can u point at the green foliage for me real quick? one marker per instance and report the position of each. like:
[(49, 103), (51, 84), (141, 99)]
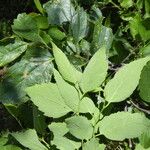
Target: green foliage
[(10, 52), (25, 138), (116, 89), (95, 72), (48, 99), (75, 75), (144, 84), (125, 125)]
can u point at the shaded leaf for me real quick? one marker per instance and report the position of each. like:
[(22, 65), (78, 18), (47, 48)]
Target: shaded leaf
[(102, 36), (35, 68), (79, 25), (59, 11), (144, 83), (145, 138), (26, 27), (11, 52), (56, 34), (39, 121)]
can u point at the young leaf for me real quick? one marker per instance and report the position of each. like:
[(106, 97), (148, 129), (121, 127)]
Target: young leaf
[(68, 92), (80, 127), (92, 144), (39, 6), (11, 52), (125, 81), (48, 99), (122, 125), (79, 25), (29, 139), (95, 72), (144, 83), (67, 70)]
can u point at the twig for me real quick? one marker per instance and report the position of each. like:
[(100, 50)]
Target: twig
[(139, 108)]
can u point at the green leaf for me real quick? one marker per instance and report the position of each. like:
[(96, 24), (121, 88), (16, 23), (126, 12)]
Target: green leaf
[(87, 106), (48, 99), (26, 27), (68, 92), (145, 51), (144, 83), (79, 25), (80, 127), (122, 125), (125, 81), (139, 26), (58, 129), (63, 143), (41, 21), (26, 73), (95, 72), (147, 9), (39, 6), (92, 144), (126, 3), (10, 147), (67, 70), (25, 138), (145, 138), (11, 52), (102, 36), (140, 147), (3, 141), (134, 25), (56, 34), (59, 11), (39, 121)]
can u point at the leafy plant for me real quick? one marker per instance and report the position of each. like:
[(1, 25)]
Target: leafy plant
[(75, 75)]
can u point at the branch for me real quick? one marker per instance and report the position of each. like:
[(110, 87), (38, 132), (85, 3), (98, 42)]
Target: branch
[(141, 109)]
